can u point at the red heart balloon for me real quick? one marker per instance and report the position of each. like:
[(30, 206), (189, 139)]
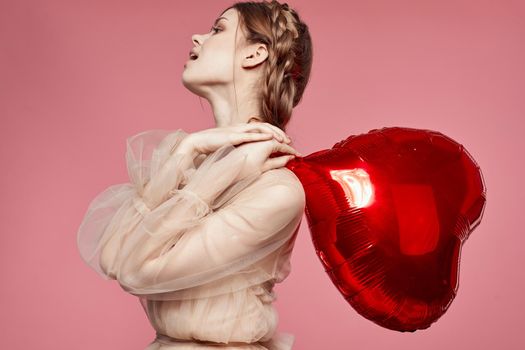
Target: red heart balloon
[(388, 213)]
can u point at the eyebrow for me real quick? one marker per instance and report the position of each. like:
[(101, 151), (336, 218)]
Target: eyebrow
[(218, 19)]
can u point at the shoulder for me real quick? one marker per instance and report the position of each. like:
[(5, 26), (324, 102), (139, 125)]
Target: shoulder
[(274, 202), (286, 177), (284, 187)]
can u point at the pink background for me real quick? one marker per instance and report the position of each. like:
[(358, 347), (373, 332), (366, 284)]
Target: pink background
[(78, 77)]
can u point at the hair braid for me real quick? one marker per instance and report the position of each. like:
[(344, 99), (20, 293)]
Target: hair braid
[(289, 61), (279, 90)]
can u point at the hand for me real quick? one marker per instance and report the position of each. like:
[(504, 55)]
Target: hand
[(209, 140), (258, 156), (257, 160)]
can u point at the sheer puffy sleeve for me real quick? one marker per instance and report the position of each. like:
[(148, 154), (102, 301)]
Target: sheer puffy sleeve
[(158, 236)]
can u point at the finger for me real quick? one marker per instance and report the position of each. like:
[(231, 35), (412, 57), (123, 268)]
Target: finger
[(276, 162), (256, 127), (285, 137), (266, 128), (249, 137), (248, 127), (279, 134), (284, 148)]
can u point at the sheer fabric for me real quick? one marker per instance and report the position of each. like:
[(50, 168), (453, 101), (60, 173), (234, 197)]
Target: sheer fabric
[(200, 245)]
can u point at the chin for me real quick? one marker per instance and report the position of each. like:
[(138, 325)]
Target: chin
[(192, 86), (187, 83)]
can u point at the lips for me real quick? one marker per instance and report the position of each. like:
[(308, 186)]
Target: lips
[(193, 55)]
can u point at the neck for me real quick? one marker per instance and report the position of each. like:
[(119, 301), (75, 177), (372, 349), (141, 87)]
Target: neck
[(228, 111)]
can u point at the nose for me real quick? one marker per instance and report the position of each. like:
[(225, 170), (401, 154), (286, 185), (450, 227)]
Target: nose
[(197, 39)]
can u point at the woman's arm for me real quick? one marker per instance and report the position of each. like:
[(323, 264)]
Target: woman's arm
[(116, 211), (142, 232), (168, 256), (156, 191)]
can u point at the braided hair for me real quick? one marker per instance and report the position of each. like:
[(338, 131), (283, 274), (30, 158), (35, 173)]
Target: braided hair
[(287, 69)]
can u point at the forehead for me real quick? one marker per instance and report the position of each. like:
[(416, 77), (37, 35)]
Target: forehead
[(230, 14), (231, 20)]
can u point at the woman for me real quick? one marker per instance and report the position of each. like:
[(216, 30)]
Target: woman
[(207, 224)]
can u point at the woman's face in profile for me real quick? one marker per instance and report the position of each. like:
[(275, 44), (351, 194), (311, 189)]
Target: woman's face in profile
[(215, 51)]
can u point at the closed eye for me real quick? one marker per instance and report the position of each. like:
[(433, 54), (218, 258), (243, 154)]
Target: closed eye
[(215, 29)]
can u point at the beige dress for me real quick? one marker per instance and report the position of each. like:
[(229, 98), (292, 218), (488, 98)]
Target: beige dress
[(204, 273)]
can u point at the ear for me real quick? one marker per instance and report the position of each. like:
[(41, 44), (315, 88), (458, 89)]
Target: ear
[(254, 55)]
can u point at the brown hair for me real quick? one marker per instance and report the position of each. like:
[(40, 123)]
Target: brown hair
[(287, 69)]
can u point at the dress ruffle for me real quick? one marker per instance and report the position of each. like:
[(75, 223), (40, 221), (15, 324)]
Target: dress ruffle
[(180, 230), (280, 341)]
